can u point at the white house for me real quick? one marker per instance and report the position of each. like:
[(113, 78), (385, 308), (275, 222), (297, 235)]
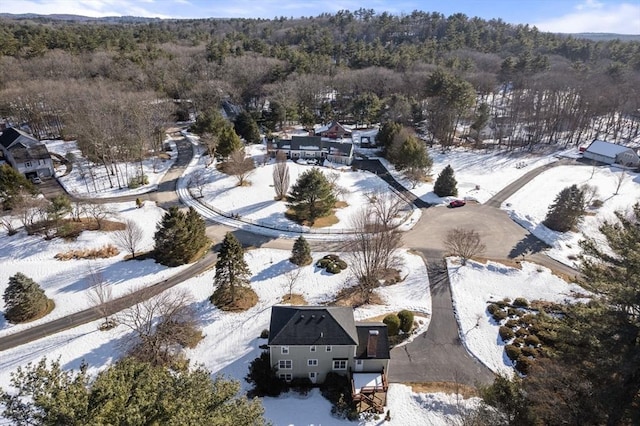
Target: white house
[(313, 148), (611, 153), (25, 153)]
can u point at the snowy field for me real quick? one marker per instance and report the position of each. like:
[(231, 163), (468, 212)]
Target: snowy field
[(475, 285), (529, 206), (68, 282)]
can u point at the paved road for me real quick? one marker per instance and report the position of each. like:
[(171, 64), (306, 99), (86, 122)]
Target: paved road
[(438, 355)]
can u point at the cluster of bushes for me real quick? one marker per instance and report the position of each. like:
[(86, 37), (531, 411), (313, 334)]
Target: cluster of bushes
[(337, 390), (402, 321), (138, 181), (332, 264), (103, 252), (524, 332)]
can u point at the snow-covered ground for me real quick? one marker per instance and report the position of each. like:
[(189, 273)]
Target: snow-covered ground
[(91, 180), (68, 282), (529, 206), (475, 285)]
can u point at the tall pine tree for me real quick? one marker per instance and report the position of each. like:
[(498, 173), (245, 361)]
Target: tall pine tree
[(446, 184), (24, 299), (301, 253), (232, 272), (311, 196), (567, 210), (179, 237)]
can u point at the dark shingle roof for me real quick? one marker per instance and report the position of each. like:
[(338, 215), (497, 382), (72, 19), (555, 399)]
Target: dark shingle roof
[(312, 325), (10, 135), (372, 345)]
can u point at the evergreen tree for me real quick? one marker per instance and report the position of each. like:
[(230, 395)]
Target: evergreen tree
[(301, 252), (567, 210), (179, 237), (246, 126), (13, 186), (129, 392), (386, 135), (24, 299), (446, 184), (228, 141), (311, 196), (232, 271)]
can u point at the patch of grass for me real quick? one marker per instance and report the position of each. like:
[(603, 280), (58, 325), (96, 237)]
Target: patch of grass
[(245, 298), (294, 299), (340, 204)]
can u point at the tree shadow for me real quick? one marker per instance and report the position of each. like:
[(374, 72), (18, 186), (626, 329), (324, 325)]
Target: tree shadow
[(111, 350), (528, 245)]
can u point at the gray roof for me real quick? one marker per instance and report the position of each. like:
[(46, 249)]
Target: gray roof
[(607, 149), (374, 345), (312, 325), (298, 142)]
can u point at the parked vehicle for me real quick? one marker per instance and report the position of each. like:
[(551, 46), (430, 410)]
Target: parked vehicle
[(457, 203), (36, 180)]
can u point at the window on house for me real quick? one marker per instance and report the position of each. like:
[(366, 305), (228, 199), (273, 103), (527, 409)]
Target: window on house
[(27, 163), (339, 364), (285, 364), (284, 350), (312, 362), (312, 349), (328, 349), (285, 376)]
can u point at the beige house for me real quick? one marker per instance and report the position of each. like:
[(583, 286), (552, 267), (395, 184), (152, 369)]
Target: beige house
[(312, 148), (312, 341)]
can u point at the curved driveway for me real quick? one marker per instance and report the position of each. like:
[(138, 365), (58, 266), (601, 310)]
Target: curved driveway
[(437, 354)]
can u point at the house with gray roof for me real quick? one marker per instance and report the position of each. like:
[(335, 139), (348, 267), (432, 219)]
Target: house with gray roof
[(25, 153), (611, 153), (308, 342), (313, 148)]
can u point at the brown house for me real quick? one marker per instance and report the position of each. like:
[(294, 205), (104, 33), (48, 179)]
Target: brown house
[(334, 130)]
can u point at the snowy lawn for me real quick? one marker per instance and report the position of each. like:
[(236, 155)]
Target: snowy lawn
[(92, 181), (530, 205), (67, 282), (475, 285)]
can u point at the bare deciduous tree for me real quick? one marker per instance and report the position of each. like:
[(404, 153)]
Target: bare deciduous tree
[(99, 213), (373, 248), (198, 180), (464, 243), (290, 280), (620, 179), (281, 176), (240, 166), (31, 211), (99, 296), (129, 238), (210, 142), (161, 326)]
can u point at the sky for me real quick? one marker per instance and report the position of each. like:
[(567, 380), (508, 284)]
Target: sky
[(567, 16)]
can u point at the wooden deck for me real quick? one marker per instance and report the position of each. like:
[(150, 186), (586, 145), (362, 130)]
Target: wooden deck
[(370, 398)]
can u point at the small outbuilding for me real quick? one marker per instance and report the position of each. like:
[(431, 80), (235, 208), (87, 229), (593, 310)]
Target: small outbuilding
[(611, 153)]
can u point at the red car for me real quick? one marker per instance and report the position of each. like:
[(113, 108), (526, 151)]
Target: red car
[(457, 203)]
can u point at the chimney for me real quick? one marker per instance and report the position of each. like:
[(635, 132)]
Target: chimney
[(372, 344)]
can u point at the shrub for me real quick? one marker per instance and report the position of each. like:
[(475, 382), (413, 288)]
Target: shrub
[(597, 203), (264, 334), (138, 181), (393, 324), (332, 263), (512, 351), (499, 316), (522, 332), (502, 303), (506, 333), (523, 365), (341, 264), (521, 302), (337, 389), (512, 323), (263, 377), (406, 320), (513, 312), (493, 308), (323, 263), (25, 300), (301, 385), (518, 341), (532, 340), (301, 252), (530, 352), (333, 268)]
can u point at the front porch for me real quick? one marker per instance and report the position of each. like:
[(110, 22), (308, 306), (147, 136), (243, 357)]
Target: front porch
[(369, 391)]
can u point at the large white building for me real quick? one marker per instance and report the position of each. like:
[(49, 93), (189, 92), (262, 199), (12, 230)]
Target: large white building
[(611, 153)]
